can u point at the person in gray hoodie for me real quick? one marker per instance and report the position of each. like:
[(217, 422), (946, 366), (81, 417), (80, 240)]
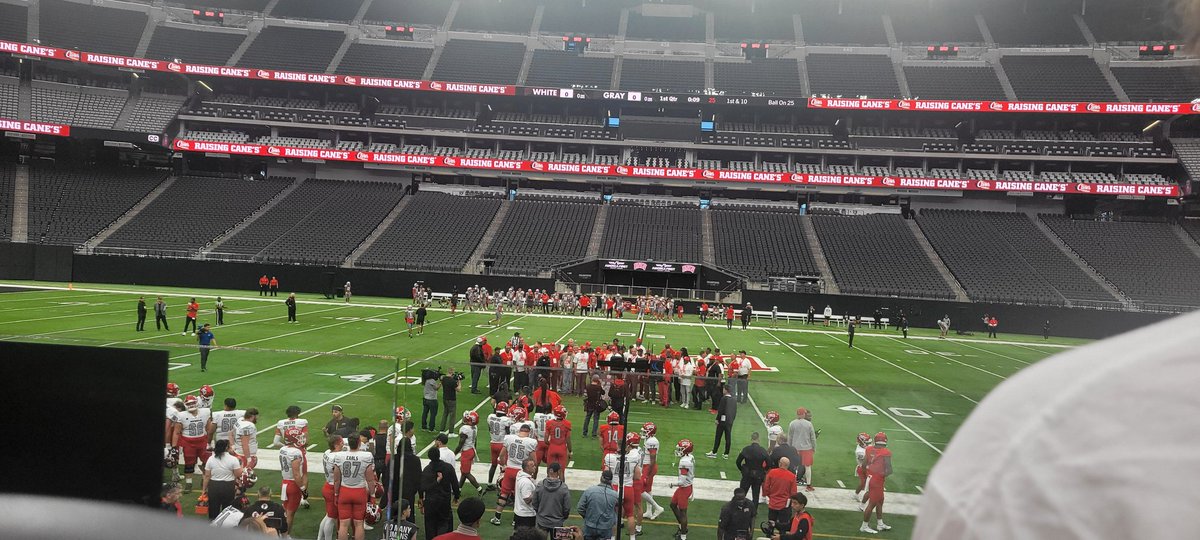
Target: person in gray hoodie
[(598, 507), (552, 500)]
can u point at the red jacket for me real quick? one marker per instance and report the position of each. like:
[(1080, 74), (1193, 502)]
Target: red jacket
[(779, 485)]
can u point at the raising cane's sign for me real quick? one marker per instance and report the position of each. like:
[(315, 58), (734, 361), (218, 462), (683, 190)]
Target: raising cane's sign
[(1056, 107), (838, 180), (25, 126)]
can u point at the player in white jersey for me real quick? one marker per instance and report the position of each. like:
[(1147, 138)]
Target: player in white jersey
[(650, 447), (629, 481), (467, 435), (222, 423), (517, 447), (172, 410), (244, 442), (539, 433), (353, 482), (773, 430), (498, 424), (860, 455), (294, 471), (206, 397), (192, 436), (683, 485), (397, 429), (329, 524)]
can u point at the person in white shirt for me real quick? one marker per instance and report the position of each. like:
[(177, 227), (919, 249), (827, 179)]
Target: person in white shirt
[(743, 377), (828, 313), (294, 471), (327, 530), (220, 472), (441, 443), (581, 370), (774, 316), (524, 515), (685, 371), (353, 483)]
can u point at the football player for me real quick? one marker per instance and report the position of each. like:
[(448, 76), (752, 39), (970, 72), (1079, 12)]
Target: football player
[(353, 480), (879, 467), (245, 439), (222, 423), (520, 417), (206, 397), (860, 455), (294, 471), (539, 432), (498, 423), (611, 435), (172, 401), (558, 438), (396, 430), (627, 481), (329, 524), (650, 447), (517, 447), (467, 435), (192, 436), (773, 430), (683, 486)]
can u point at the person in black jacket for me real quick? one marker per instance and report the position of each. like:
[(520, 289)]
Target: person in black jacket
[(783, 449), (752, 462), (478, 363), (291, 306), (737, 517), (747, 314), (439, 484), (801, 525), (141, 314), (406, 472), (726, 413)]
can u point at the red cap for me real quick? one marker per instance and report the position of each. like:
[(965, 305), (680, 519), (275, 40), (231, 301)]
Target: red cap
[(801, 411), (881, 437)]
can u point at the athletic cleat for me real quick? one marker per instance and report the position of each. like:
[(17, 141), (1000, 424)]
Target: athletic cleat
[(658, 511), (304, 504), (866, 529), (496, 521), (711, 455), (646, 515), (726, 456), (883, 526)]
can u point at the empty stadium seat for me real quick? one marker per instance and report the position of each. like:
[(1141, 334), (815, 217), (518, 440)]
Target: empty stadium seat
[(385, 61), (1015, 22), (493, 62), (193, 45), (676, 235), (652, 28), (424, 12), (153, 112), (9, 97), (538, 235), (662, 75), (1170, 84), (953, 82), (854, 22), (14, 22), (877, 254), (510, 17), (67, 206), (761, 244), (88, 27), (852, 75), (561, 69), (419, 240), (290, 48), (779, 76), (340, 10), (1056, 78), (591, 18)]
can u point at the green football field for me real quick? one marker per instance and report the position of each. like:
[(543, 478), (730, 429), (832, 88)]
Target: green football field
[(917, 390)]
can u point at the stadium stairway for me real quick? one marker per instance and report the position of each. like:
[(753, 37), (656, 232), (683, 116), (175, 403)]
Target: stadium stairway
[(708, 250), (485, 243), (352, 258), (1188, 151), (351, 37), (960, 294), (814, 247), (253, 28), (20, 211), (1070, 253), (1006, 84), (135, 92), (25, 98), (1112, 80), (1182, 234), (127, 216), (215, 244), (593, 249)]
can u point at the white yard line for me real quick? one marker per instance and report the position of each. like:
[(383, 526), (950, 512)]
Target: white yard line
[(66, 316), (977, 368), (906, 370), (996, 353), (86, 328), (881, 410), (12, 297), (757, 411)]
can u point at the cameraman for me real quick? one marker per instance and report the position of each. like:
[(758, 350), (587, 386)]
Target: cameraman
[(431, 381), (451, 386)]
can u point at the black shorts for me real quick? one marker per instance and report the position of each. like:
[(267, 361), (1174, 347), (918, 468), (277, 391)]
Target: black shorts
[(420, 320)]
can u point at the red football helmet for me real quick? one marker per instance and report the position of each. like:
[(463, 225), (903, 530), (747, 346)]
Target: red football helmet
[(172, 390), (772, 418), (863, 439), (614, 418), (633, 439), (191, 403), (881, 439), (471, 418), (206, 391), (502, 408), (247, 479), (518, 414), (560, 412), (380, 491), (684, 447), (649, 429), (293, 436), (170, 458), (373, 514), (402, 414)]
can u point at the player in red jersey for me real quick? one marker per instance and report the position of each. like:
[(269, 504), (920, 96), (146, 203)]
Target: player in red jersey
[(558, 438), (879, 467), (294, 472), (611, 435)]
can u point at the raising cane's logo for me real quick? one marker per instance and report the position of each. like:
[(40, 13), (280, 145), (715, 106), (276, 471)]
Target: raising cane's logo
[(639, 266), (362, 156), (889, 181), (689, 269), (996, 106), (622, 170), (816, 102), (983, 184), (172, 66), (183, 145), (274, 151), (351, 79), (905, 104), (451, 161), (1196, 107), (1092, 107), (796, 177), (264, 74), (709, 174), (435, 85), (536, 165), (1083, 188), (72, 55)]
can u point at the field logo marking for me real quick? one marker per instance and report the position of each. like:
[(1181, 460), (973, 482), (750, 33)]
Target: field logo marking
[(365, 377), (904, 412)]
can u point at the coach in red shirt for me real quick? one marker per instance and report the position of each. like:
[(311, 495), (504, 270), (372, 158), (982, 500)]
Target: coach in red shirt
[(778, 487)]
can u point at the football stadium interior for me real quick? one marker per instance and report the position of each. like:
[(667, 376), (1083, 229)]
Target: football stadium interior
[(826, 167)]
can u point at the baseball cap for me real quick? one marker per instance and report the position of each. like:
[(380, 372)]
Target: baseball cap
[(470, 510), (605, 477)]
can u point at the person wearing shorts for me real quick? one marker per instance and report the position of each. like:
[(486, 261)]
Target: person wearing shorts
[(354, 478), (328, 525)]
